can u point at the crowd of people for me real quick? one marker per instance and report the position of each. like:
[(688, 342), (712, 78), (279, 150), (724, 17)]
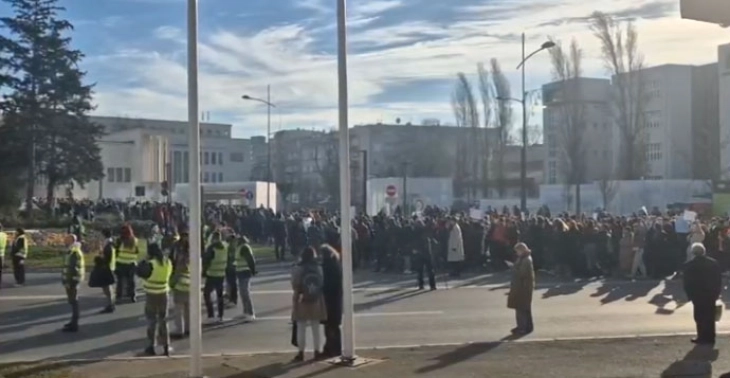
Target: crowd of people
[(656, 246)]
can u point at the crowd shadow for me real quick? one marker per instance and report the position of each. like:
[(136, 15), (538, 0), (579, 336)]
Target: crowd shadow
[(566, 288), (463, 354), (86, 332), (697, 363), (610, 292), (389, 299), (672, 293)]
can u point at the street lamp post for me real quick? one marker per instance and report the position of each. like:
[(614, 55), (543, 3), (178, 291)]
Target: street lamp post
[(523, 151), (269, 105)]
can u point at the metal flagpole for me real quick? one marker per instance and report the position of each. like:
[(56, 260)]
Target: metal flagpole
[(348, 325), (194, 227)]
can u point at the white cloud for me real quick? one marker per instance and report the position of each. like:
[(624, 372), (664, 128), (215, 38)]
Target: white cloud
[(370, 7), (303, 77)]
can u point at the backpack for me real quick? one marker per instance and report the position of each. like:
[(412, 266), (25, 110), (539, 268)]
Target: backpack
[(311, 283)]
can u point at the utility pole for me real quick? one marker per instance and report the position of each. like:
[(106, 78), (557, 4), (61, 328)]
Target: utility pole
[(405, 188), (268, 146), (365, 182), (523, 151)]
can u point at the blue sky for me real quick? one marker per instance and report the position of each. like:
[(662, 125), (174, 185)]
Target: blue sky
[(404, 54)]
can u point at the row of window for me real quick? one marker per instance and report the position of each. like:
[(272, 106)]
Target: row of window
[(653, 151), (119, 174), (211, 158), (211, 177)]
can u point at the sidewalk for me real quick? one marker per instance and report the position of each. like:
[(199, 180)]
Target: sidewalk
[(614, 358)]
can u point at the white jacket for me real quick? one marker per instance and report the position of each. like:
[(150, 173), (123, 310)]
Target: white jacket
[(456, 245)]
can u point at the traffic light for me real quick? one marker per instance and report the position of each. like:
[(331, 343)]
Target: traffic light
[(165, 190)]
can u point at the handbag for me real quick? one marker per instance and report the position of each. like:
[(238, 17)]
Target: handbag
[(294, 335)]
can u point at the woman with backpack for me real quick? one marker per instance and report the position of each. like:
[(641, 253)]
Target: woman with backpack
[(308, 308), (332, 290)]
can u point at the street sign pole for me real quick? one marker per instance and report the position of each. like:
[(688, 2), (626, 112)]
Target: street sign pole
[(348, 323), (194, 229)]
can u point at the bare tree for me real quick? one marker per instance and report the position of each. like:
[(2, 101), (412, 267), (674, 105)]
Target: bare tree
[(608, 187), (486, 94), (503, 117), (472, 139), (464, 107), (623, 60), (567, 71)]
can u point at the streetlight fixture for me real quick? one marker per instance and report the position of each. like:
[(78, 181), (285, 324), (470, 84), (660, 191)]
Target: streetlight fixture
[(523, 155), (269, 105)]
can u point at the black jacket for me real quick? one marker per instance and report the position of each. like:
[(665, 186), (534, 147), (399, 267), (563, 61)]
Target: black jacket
[(702, 279)]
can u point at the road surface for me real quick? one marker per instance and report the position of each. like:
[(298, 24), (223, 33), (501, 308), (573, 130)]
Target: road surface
[(389, 312)]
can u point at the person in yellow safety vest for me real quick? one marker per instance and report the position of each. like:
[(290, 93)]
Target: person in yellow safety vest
[(3, 247), (231, 287), (108, 260), (74, 270), (181, 287), (215, 262), (245, 263), (128, 255), (157, 288), (19, 254)]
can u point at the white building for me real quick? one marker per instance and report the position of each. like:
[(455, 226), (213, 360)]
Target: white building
[(595, 103), (723, 71), (668, 121), (222, 158)]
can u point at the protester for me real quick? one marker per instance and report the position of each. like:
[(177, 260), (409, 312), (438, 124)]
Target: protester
[(308, 305), (703, 286), (332, 291), (521, 288)]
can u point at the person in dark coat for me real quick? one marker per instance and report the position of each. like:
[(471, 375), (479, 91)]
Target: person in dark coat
[(703, 285), (332, 291), (423, 247)]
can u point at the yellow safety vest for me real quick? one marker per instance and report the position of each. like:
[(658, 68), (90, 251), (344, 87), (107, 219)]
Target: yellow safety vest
[(159, 281), (3, 243), (24, 251), (113, 262), (128, 255), (218, 266), (80, 266), (182, 284), (241, 262)]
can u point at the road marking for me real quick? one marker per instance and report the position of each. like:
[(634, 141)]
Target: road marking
[(365, 315)]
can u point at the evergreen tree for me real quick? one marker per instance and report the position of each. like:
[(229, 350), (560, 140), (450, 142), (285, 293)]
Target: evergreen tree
[(46, 100)]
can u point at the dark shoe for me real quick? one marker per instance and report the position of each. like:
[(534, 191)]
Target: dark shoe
[(71, 328), (150, 351), (703, 342), (167, 350), (420, 288), (107, 310), (319, 356), (433, 288), (187, 333), (133, 300), (177, 336), (299, 357)]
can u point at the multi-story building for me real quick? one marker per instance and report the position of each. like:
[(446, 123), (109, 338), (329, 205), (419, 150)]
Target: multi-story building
[(705, 122), (723, 72), (667, 130), (259, 158), (591, 98), (222, 157)]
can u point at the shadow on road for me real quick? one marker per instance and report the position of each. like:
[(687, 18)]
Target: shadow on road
[(697, 363), (389, 299), (86, 332), (462, 354), (613, 291), (565, 288)]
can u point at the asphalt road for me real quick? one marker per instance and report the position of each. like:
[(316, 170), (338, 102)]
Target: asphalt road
[(389, 312)]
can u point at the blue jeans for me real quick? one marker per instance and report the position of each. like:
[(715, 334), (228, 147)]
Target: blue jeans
[(244, 290)]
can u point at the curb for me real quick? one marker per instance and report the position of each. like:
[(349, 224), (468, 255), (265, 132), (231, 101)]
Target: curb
[(377, 348)]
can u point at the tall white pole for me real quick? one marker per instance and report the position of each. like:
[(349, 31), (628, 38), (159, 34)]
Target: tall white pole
[(194, 228), (268, 147), (348, 324)]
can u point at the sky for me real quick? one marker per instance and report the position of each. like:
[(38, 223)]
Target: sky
[(403, 54)]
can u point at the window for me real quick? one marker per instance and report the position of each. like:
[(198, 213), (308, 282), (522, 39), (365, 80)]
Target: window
[(206, 157), (213, 177), (220, 176), (653, 151), (186, 167), (110, 174), (220, 158), (552, 172), (205, 177), (177, 167), (213, 158), (119, 174), (236, 157), (127, 174)]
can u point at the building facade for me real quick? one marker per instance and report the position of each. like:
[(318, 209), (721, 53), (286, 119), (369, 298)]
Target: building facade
[(705, 122), (723, 72), (565, 102), (222, 158)]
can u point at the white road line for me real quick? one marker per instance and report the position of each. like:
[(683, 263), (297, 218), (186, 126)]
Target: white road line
[(363, 315)]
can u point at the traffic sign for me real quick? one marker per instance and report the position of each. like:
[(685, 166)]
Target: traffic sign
[(391, 190)]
